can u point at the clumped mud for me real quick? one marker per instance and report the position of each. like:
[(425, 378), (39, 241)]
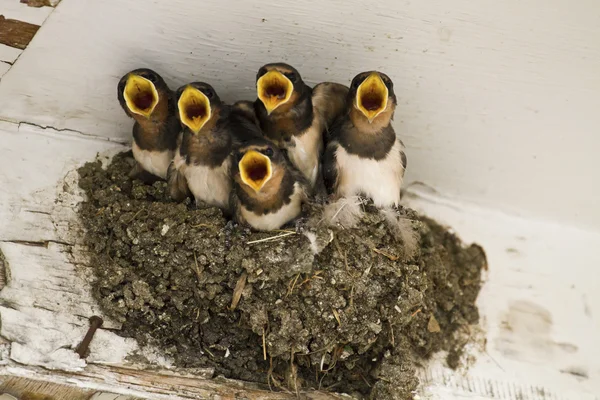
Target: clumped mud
[(359, 317)]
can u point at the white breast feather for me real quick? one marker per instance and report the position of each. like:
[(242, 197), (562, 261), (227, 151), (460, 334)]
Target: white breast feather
[(379, 180), (210, 185), (277, 219), (155, 162), (306, 149)]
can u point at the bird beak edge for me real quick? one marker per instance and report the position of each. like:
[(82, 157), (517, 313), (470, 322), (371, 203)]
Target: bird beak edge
[(274, 89), (194, 108), (140, 95), (372, 96), (255, 169)]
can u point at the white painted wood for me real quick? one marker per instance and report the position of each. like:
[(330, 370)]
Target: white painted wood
[(9, 54), (497, 99), (539, 309), (4, 67), (14, 9), (47, 301)]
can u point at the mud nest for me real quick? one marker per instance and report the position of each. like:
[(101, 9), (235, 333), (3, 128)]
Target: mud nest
[(358, 317)]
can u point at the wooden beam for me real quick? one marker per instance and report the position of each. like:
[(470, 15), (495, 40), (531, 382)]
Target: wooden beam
[(150, 384), (15, 33)]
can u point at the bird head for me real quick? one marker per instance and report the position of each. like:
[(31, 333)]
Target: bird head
[(197, 102), (372, 93), (140, 91), (257, 163), (278, 84)]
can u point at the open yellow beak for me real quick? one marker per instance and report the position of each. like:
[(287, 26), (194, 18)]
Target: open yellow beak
[(372, 96), (255, 169), (194, 108), (274, 89), (140, 95)]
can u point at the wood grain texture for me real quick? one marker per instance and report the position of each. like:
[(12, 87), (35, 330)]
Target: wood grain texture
[(47, 301), (16, 33), (23, 388), (497, 99)]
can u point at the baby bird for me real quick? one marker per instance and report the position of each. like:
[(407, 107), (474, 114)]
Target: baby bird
[(268, 191), (202, 165), (295, 116), (147, 99), (363, 155)]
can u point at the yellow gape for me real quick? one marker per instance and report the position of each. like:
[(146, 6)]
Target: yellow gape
[(372, 96), (274, 89), (140, 95), (255, 169), (194, 108)]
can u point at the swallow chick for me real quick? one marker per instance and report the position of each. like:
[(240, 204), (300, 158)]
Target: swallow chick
[(268, 191), (363, 155), (147, 99), (202, 164), (294, 115)]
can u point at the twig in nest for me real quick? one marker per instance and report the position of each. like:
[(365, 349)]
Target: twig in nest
[(392, 333), (202, 226), (265, 345), (386, 254), (237, 292), (292, 285), (208, 351), (271, 377), (415, 313), (337, 316), (271, 238), (294, 372), (197, 270), (315, 276), (135, 215)]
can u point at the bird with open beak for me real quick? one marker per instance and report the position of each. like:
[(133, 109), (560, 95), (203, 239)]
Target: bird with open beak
[(268, 191), (294, 116), (202, 164), (146, 98), (363, 155)]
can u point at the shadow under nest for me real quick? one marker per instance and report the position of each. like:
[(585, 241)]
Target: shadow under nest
[(316, 305)]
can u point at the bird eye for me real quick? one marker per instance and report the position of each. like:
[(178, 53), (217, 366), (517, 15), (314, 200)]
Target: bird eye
[(239, 156), (261, 72), (291, 76), (209, 93), (151, 78), (268, 152), (355, 84)]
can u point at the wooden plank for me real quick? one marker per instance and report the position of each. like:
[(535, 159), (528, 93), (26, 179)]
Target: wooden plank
[(539, 309), (165, 384), (477, 80), (41, 3), (16, 33), (14, 9), (4, 67), (47, 301), (31, 389), (9, 54), (23, 388)]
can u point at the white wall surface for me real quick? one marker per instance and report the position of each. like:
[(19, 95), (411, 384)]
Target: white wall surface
[(498, 100)]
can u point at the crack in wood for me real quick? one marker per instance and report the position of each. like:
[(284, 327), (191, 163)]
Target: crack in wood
[(36, 243)]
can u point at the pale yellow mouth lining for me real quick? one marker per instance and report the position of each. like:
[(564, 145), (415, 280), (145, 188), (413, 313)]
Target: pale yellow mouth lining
[(255, 169), (372, 96), (140, 95), (194, 108), (274, 89)]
